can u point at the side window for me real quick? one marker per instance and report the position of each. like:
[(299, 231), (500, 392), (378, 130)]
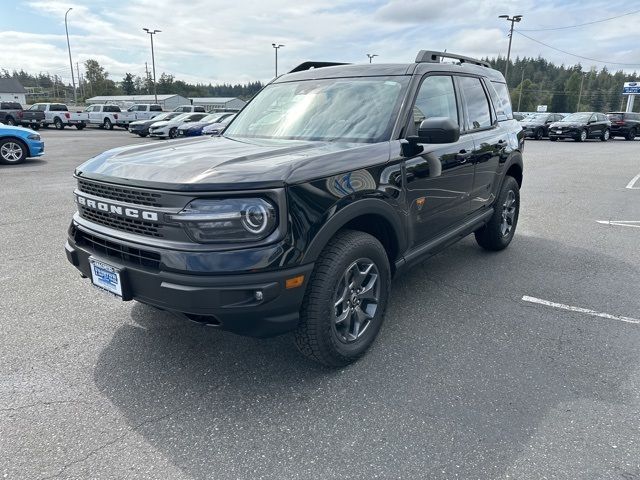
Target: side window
[(156, 108), (436, 98), (96, 108), (477, 105), (503, 105), (602, 118), (593, 117)]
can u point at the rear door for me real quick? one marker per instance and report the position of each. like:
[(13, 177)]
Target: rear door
[(489, 139), (440, 178)]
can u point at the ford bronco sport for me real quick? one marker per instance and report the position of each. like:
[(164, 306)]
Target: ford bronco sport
[(332, 180)]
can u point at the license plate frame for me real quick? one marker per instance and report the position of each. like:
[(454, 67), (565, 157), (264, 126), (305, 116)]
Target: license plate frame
[(106, 277)]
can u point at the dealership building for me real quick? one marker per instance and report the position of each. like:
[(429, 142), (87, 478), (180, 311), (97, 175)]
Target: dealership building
[(167, 102), (215, 104)]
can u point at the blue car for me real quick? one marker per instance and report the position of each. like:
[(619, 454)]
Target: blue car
[(18, 143)]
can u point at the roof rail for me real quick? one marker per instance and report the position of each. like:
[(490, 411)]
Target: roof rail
[(428, 56), (309, 65)]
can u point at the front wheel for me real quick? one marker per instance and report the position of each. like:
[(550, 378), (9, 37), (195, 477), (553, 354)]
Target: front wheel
[(605, 136), (582, 136), (539, 134), (12, 151), (345, 301), (173, 133), (499, 230)]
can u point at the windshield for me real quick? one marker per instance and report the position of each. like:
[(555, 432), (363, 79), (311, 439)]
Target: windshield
[(536, 117), (182, 116), (577, 117), (347, 109), (213, 117)]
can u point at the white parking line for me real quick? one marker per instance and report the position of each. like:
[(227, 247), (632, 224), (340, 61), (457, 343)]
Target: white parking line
[(586, 311), (633, 182), (621, 223)]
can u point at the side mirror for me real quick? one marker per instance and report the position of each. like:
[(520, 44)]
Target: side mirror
[(437, 130)]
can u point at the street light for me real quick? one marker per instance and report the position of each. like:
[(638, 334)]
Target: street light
[(371, 55), (514, 19), (153, 61), (73, 80), (276, 47)]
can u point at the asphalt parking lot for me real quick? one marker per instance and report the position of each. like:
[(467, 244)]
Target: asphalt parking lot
[(466, 380)]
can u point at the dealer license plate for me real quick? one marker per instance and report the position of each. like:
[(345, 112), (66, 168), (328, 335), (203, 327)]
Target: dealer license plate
[(106, 276)]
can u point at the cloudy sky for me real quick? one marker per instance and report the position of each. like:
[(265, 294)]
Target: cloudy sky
[(216, 41)]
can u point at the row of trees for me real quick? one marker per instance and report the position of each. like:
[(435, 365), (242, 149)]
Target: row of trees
[(536, 81), (532, 82), (95, 80)]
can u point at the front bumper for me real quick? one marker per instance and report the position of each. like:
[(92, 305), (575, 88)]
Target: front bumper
[(138, 130), (564, 133), (161, 132), (227, 301), (36, 148)]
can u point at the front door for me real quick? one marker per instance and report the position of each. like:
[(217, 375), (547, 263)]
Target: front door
[(440, 178)]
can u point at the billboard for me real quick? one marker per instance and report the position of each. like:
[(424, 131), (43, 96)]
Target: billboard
[(631, 88)]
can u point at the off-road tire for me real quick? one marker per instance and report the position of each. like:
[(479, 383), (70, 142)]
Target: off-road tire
[(316, 336), (490, 236)]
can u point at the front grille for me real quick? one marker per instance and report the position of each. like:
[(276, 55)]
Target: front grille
[(125, 254), (131, 225), (121, 194)]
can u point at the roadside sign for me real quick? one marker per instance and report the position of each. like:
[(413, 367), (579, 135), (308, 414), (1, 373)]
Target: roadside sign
[(541, 108), (631, 88)]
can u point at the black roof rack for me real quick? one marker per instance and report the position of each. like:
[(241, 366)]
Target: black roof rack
[(428, 56), (309, 65)]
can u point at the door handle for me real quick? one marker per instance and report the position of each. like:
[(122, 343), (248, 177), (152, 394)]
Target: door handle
[(462, 156)]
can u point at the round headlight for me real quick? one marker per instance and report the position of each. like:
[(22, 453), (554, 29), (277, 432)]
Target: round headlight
[(255, 218)]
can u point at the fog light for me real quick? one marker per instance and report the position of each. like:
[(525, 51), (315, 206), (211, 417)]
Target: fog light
[(258, 295)]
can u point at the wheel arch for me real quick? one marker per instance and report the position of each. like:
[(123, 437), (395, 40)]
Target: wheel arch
[(22, 142), (373, 216), (514, 168)]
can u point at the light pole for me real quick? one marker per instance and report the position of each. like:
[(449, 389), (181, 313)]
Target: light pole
[(153, 61), (371, 55), (73, 80), (514, 19), (276, 46)]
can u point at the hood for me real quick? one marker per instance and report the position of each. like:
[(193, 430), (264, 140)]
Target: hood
[(566, 124), (193, 125), (161, 123), (219, 163), (15, 129)]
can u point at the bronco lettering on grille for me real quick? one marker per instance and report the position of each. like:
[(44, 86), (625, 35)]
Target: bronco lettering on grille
[(116, 209)]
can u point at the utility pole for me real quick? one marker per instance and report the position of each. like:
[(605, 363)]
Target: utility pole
[(277, 47), (146, 77), (514, 19), (79, 81), (580, 94), (153, 61), (521, 82), (73, 81), (370, 55)]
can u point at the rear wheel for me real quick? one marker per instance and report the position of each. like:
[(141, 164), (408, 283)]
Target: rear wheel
[(631, 135), (498, 232), (142, 135), (107, 125), (58, 123), (346, 298), (12, 151), (10, 121), (80, 126), (35, 126), (605, 135)]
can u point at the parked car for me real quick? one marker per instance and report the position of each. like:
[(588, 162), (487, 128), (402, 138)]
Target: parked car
[(580, 126), (189, 109), (329, 182), (141, 127), (19, 143), (58, 115), (196, 128), (141, 111), (103, 116), (12, 113), (624, 124), (218, 127), (537, 125), (169, 128)]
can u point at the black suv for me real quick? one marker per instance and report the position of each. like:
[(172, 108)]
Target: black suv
[(624, 124), (537, 125), (333, 179), (580, 126)]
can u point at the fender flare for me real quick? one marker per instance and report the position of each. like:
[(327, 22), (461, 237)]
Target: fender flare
[(365, 206)]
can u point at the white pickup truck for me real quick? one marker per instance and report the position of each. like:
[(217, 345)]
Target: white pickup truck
[(58, 115), (190, 109), (104, 116), (140, 111)]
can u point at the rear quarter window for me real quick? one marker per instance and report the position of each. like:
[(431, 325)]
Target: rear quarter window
[(501, 100), (111, 108)]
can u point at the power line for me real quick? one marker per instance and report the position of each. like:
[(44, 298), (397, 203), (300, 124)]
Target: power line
[(576, 55), (580, 24)]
